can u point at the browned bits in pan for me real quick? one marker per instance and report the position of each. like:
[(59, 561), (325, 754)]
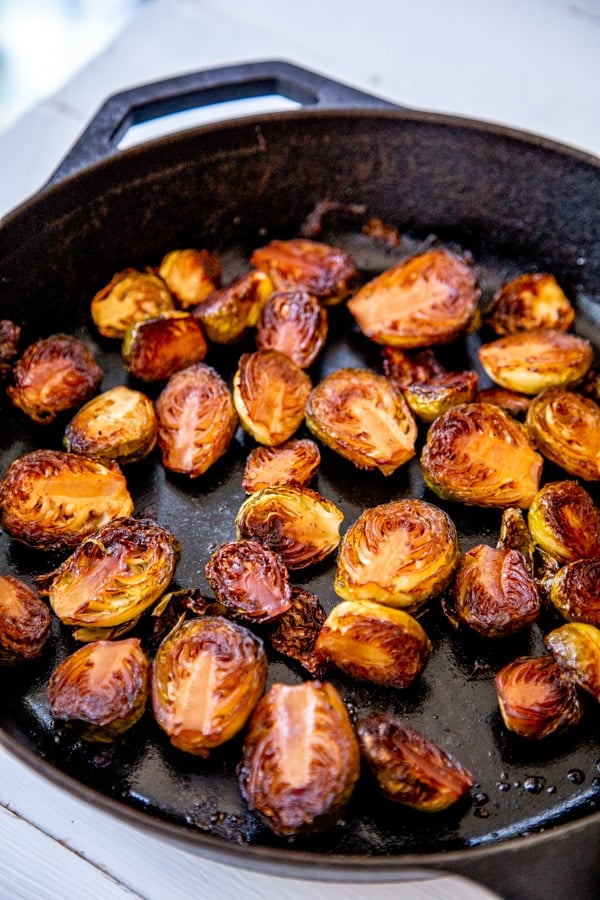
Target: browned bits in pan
[(564, 521), (249, 580), (119, 424), (329, 273), (295, 323), (565, 427), (576, 648), (25, 622), (293, 462), (226, 315), (156, 348), (190, 274), (532, 300), (128, 298)]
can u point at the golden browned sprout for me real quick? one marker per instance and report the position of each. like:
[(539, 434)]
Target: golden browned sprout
[(10, 335), (328, 273), (300, 759), (249, 580), (207, 677), (294, 633), (530, 361), (428, 400), (574, 591), (510, 401), (25, 622), (564, 521), (293, 462), (114, 575), (103, 687), (54, 375), (196, 420), (530, 301), (364, 418), (52, 500), (565, 427), (372, 642), (295, 323), (478, 454), (399, 553), (408, 767), (426, 300), (536, 698), (154, 349), (191, 275), (128, 298), (269, 393), (227, 314), (119, 424), (576, 648), (294, 521)]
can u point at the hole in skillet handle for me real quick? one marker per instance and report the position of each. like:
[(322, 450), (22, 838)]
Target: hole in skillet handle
[(281, 82)]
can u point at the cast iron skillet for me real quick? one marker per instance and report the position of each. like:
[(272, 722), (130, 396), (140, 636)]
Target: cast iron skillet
[(516, 202)]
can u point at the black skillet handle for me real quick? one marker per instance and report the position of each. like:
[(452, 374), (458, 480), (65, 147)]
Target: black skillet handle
[(150, 101)]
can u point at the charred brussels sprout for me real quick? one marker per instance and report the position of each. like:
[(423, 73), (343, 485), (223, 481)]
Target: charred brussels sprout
[(512, 402), (399, 553), (25, 622), (530, 301), (294, 633), (564, 521), (156, 348), (128, 298), (249, 580), (301, 759), (427, 387), (576, 649), (103, 687), (190, 274), (52, 500), (566, 428), (54, 375), (119, 424), (293, 462), (295, 323), (207, 677), (226, 315), (362, 416), (10, 335), (477, 454), (575, 593), (196, 420), (408, 767), (328, 273)]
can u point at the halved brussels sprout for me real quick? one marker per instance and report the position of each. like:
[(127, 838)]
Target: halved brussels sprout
[(10, 335), (249, 580), (536, 698), (55, 375), (531, 361), (103, 687), (190, 274), (25, 622), (532, 300), (227, 314), (430, 399), (565, 522), (515, 535), (295, 632), (129, 297), (300, 759), (119, 424), (196, 420), (408, 767), (478, 454), (426, 300), (566, 428), (510, 401), (207, 677), (156, 348), (574, 591), (293, 462), (406, 367), (364, 418), (328, 273), (270, 393), (52, 500), (400, 553), (113, 575), (576, 649), (372, 642), (295, 323)]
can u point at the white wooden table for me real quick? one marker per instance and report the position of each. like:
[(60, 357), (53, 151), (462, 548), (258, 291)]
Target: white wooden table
[(532, 64)]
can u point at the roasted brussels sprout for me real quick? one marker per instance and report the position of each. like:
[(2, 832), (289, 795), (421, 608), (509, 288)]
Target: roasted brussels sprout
[(175, 607), (328, 273), (10, 335), (426, 300), (25, 622), (156, 348), (207, 677), (408, 767), (510, 401), (536, 698), (477, 454), (52, 500), (113, 575), (294, 521), (530, 361), (196, 420), (574, 591), (399, 553), (406, 367), (362, 416), (301, 759), (515, 535), (372, 642), (270, 393), (295, 632), (293, 462), (530, 301), (54, 375), (226, 315), (103, 686), (129, 297), (119, 424), (576, 648), (427, 387), (295, 323), (564, 521), (249, 580), (190, 274), (566, 428)]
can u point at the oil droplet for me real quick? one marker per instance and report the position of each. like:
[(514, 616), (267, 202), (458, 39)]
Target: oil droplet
[(481, 813), (480, 799), (551, 789), (534, 784), (503, 786), (596, 782), (576, 776), (517, 784)]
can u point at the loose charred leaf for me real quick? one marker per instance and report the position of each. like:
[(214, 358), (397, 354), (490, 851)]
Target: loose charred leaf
[(156, 348), (576, 648), (293, 462), (328, 273), (249, 580), (530, 301), (226, 315), (119, 424), (25, 622), (564, 521), (515, 535), (177, 606), (574, 591), (295, 632), (10, 335), (295, 323), (191, 275), (129, 297), (566, 428)]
